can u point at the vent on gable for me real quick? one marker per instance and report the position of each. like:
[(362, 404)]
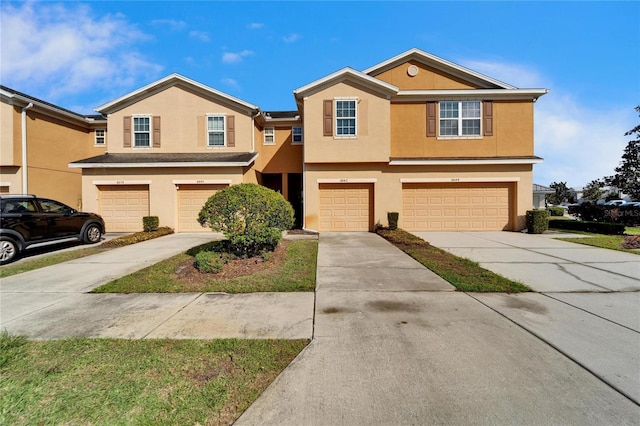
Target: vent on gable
[(412, 70)]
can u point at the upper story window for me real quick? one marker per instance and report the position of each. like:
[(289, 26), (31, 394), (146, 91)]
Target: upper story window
[(269, 136), (296, 135), (142, 131), (346, 117), (460, 118), (215, 130), (100, 137)]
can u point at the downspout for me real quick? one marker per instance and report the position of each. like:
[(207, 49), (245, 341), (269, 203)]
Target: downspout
[(253, 131), (25, 188)]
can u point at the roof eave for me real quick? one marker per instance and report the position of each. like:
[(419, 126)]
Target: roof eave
[(181, 164), (346, 74), (463, 162), (507, 94)]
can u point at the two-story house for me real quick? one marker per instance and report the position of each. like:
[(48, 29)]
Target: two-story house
[(37, 142), (444, 146)]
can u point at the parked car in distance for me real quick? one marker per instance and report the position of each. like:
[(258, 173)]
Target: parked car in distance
[(615, 203), (28, 220)]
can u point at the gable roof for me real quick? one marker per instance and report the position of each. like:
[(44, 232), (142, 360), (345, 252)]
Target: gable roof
[(440, 64), (170, 81), (346, 74)]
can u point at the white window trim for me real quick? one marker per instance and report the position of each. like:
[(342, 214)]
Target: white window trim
[(224, 131), (272, 134), (104, 137), (133, 131), (293, 142), (335, 118), (459, 136)]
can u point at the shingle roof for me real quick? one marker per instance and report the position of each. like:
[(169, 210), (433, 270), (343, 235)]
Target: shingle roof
[(50, 105), (209, 159)]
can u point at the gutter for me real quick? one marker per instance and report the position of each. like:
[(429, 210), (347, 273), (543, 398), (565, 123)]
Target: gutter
[(25, 188)]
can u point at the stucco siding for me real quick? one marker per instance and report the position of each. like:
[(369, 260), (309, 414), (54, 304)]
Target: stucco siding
[(427, 78)]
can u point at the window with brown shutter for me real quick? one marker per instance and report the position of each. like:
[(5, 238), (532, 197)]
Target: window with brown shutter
[(431, 119), (156, 132), (127, 132), (231, 131), (327, 116), (487, 118)]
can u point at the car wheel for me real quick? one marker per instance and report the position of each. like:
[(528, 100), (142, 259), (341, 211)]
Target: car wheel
[(8, 250), (92, 234)]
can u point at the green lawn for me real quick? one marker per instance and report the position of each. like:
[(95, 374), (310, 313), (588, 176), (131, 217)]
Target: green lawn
[(297, 272), (124, 382), (612, 242), (464, 274)]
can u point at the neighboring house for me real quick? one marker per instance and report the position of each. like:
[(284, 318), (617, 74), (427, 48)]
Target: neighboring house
[(38, 140), (539, 195), (446, 147)]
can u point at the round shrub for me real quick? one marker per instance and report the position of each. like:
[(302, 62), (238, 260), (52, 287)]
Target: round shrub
[(251, 216)]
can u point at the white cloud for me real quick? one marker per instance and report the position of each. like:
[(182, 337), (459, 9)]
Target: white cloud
[(255, 26), (173, 24), (231, 83), (200, 35), (55, 51), (291, 38), (235, 57)]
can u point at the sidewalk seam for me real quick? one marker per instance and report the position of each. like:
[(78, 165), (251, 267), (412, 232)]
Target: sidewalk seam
[(171, 316)]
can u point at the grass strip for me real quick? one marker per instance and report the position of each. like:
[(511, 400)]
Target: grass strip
[(297, 272), (611, 242), (463, 274), (123, 382)]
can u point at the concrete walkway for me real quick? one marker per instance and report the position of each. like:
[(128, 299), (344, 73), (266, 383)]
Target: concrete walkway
[(390, 351), (53, 303)]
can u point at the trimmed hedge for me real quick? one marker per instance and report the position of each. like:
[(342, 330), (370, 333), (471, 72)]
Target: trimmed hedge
[(392, 217), (625, 214), (555, 211), (150, 223), (595, 227), (537, 221)]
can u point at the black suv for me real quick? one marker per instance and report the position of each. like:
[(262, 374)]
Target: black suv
[(27, 220)]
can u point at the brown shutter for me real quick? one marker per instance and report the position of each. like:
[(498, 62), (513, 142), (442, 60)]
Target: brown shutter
[(487, 115), (127, 132), (231, 131), (202, 134), (156, 132), (327, 116), (431, 119), (363, 117)]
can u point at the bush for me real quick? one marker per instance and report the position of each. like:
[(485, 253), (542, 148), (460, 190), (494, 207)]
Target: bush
[(625, 214), (392, 217), (211, 261), (537, 221), (150, 223), (595, 227), (251, 216), (555, 211)]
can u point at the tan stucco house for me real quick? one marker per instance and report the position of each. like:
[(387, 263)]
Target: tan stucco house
[(444, 146), (37, 142)]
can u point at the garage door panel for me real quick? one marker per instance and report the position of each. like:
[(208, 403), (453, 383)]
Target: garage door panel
[(345, 207), (462, 206), (124, 206), (191, 198)]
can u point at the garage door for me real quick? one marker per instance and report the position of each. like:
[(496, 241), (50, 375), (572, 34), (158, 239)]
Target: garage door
[(191, 198), (123, 206), (346, 207), (456, 207)]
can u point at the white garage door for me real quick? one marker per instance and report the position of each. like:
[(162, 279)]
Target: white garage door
[(346, 207), (123, 206), (191, 198), (456, 207)]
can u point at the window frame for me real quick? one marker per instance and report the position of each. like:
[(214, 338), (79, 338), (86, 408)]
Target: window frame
[(336, 119), (209, 132), (460, 119), (96, 137), (149, 132), (293, 135), (269, 131)]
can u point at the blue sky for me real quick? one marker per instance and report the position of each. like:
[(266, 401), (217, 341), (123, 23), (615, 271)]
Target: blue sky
[(80, 55)]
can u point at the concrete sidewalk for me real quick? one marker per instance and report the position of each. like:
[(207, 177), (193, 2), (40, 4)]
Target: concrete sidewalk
[(53, 303), (388, 352)]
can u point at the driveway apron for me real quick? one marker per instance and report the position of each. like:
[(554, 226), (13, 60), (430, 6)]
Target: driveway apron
[(394, 345)]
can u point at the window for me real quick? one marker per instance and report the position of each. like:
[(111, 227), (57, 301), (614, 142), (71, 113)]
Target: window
[(296, 135), (100, 137), (346, 117), (460, 118), (215, 130), (269, 136), (142, 131)]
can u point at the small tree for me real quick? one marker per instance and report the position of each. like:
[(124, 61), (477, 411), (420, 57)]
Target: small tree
[(593, 191), (627, 174), (561, 193), (251, 216)]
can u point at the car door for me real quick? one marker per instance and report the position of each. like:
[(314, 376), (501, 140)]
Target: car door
[(60, 219), (23, 216)]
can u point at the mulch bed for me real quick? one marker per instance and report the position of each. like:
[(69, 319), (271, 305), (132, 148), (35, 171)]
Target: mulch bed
[(631, 242)]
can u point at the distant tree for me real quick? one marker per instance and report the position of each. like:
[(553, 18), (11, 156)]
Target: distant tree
[(561, 194), (627, 174), (593, 191)]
